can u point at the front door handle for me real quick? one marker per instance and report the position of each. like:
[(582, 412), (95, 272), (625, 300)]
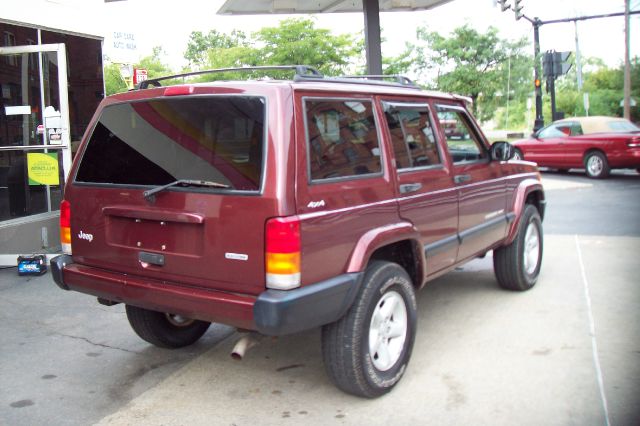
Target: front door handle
[(461, 178), (410, 187)]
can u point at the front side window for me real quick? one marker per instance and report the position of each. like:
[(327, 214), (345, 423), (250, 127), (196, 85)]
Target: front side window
[(554, 131), (462, 141), (412, 136), (156, 142), (342, 138)]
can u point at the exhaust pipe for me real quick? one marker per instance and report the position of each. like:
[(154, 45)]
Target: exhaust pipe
[(246, 342)]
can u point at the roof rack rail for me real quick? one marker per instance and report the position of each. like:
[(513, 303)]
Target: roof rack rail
[(302, 72), (399, 79)]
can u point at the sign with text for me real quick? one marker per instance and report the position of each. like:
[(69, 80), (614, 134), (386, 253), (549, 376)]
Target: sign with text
[(139, 74), (43, 168), (121, 46)]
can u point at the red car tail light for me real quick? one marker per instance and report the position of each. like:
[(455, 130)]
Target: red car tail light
[(65, 226), (634, 143), (282, 253)]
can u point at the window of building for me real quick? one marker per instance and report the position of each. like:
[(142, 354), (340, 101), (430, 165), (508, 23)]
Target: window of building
[(9, 41), (342, 138)]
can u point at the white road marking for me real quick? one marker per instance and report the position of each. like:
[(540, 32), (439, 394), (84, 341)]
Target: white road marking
[(592, 332)]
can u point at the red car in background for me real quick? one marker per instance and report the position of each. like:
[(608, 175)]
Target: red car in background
[(598, 144)]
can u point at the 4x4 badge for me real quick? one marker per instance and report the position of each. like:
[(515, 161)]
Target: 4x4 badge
[(315, 204)]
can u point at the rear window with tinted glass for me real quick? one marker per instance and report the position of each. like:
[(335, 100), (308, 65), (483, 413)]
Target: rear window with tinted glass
[(156, 142), (342, 139)]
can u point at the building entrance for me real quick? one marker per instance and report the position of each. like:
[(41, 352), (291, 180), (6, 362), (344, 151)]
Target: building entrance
[(35, 145)]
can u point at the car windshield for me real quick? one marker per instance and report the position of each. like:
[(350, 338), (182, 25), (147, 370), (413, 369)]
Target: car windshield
[(159, 141)]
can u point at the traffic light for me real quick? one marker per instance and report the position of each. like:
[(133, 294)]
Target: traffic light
[(560, 64), (517, 9), (555, 64), (504, 5)]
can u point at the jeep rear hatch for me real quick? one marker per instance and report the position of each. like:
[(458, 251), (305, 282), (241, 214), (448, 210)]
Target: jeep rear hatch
[(170, 189)]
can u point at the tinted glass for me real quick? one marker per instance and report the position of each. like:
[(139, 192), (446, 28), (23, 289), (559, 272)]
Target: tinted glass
[(156, 142), (342, 137), (462, 142), (412, 136)]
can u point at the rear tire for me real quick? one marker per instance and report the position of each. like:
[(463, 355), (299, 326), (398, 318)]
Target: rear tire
[(165, 330), (366, 352), (596, 165), (517, 265)]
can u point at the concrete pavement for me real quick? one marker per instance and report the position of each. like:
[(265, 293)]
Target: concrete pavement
[(482, 356), (567, 352)]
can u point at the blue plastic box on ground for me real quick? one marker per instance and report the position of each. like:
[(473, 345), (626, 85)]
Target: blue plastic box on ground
[(32, 265)]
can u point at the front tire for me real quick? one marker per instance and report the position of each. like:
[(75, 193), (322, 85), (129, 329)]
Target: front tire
[(517, 265), (165, 330), (596, 165), (366, 352)]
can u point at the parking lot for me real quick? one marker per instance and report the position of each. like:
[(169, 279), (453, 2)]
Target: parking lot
[(567, 352)]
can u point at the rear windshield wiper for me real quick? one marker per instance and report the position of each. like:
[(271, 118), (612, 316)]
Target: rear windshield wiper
[(186, 182)]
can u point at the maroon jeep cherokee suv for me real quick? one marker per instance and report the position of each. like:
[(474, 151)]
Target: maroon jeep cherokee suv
[(281, 205)]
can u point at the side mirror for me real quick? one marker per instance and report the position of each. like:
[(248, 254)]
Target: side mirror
[(534, 135), (502, 151)]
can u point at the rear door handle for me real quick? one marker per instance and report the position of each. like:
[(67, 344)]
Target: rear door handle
[(461, 178), (410, 187)]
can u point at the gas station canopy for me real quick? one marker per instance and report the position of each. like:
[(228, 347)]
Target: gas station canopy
[(241, 7), (371, 9)]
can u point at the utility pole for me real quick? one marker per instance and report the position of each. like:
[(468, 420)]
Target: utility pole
[(626, 112), (539, 121)]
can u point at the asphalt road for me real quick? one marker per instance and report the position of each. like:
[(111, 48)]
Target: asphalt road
[(565, 353)]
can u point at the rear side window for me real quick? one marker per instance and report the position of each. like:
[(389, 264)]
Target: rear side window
[(156, 142), (412, 136), (342, 138)]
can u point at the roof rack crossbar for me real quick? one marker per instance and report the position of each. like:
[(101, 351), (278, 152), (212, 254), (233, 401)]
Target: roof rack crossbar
[(301, 72)]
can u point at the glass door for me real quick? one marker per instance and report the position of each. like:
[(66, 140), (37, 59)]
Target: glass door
[(35, 155)]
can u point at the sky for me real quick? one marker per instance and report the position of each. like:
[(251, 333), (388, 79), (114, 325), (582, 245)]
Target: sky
[(148, 23)]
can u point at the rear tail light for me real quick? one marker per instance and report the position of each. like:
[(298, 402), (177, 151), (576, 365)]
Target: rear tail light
[(634, 143), (65, 226), (282, 253)]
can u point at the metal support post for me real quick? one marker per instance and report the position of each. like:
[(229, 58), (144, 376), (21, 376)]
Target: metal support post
[(372, 36)]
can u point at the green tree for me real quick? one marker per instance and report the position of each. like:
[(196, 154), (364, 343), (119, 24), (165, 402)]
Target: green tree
[(199, 45), (469, 63), (113, 81), (154, 64), (604, 86), (297, 41)]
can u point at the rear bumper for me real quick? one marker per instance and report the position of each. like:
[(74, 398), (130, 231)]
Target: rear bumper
[(274, 312), (625, 159)]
